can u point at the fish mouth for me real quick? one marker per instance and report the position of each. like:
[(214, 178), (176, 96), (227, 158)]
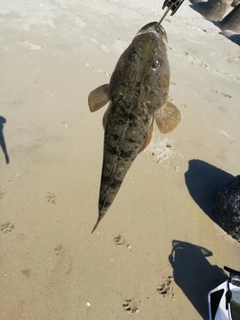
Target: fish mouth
[(155, 28)]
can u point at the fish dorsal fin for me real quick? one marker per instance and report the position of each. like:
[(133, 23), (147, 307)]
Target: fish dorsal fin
[(168, 117), (98, 97)]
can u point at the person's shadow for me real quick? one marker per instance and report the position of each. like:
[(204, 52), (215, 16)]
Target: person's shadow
[(203, 180), (194, 274), (2, 140)]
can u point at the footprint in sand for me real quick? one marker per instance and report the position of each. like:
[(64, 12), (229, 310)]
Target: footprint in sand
[(51, 198), (31, 45), (166, 287), (64, 124), (162, 150), (222, 93), (7, 227), (62, 267), (92, 66), (121, 240), (105, 47), (80, 22), (104, 72), (225, 134), (131, 305), (26, 272), (226, 95), (89, 65)]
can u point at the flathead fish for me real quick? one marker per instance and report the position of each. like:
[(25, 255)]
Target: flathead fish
[(138, 93)]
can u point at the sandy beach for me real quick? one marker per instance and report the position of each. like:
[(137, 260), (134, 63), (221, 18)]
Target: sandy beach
[(157, 252)]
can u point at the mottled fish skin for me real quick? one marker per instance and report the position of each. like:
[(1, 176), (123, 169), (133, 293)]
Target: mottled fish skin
[(138, 87)]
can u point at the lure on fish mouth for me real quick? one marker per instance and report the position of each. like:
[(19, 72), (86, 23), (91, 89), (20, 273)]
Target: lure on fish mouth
[(137, 96)]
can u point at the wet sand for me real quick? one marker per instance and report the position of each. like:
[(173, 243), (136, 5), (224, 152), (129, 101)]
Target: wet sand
[(157, 252)]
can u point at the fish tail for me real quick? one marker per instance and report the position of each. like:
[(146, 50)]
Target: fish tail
[(96, 224)]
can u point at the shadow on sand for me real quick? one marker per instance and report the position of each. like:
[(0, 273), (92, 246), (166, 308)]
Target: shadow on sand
[(203, 180), (193, 273), (2, 140), (198, 6), (231, 36)]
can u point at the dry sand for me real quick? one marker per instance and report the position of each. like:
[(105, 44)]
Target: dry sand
[(53, 53)]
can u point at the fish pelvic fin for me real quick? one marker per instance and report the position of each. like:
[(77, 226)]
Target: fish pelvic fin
[(167, 118), (98, 98), (148, 138), (96, 224)]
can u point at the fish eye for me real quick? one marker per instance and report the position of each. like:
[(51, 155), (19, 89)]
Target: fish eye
[(155, 64), (132, 57)]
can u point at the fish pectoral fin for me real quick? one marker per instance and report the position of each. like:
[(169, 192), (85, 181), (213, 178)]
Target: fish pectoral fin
[(148, 138), (105, 116), (98, 97), (168, 117)]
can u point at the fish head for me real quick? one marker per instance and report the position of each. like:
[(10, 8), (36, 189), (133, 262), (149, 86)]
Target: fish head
[(157, 29), (142, 72)]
